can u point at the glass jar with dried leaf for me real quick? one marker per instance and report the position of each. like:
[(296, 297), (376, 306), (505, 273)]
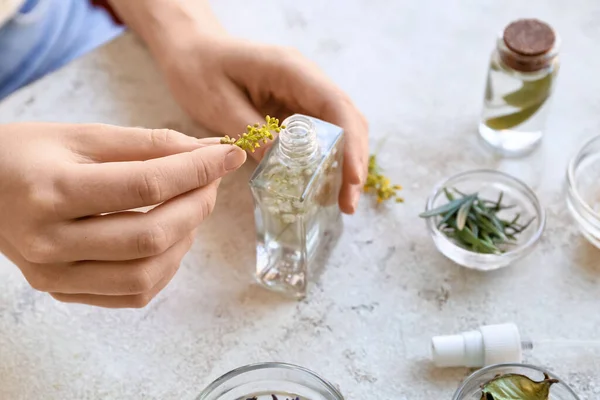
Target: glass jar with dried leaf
[(514, 381), (520, 80)]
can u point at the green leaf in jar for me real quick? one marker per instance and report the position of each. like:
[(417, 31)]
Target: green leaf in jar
[(516, 387), (515, 119), (489, 94), (530, 93), (529, 98)]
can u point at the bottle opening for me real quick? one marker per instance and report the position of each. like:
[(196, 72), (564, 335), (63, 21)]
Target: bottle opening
[(298, 141)]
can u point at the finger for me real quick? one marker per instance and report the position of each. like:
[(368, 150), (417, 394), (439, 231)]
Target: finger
[(102, 188), (126, 301), (108, 278), (349, 197), (109, 143), (356, 148), (355, 166), (133, 235), (320, 98), (300, 85)]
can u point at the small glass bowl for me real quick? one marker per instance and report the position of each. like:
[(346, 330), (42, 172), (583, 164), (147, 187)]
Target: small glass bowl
[(264, 379), (489, 184), (583, 190), (471, 387)]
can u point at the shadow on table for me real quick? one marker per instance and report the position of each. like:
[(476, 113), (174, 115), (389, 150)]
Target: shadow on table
[(442, 377), (219, 268), (586, 256)]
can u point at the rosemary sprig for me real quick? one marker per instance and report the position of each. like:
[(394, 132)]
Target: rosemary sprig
[(379, 184), (474, 224), (255, 134)]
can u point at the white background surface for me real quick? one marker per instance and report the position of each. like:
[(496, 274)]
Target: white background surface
[(417, 70)]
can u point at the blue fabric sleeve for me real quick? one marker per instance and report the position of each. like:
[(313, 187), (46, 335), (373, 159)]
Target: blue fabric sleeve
[(47, 34)]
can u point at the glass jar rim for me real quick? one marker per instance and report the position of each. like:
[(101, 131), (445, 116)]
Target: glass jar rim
[(490, 368), (571, 180), (265, 366)]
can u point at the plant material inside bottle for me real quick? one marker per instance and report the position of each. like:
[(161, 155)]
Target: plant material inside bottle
[(517, 387), (474, 224), (296, 189), (513, 98), (520, 81)]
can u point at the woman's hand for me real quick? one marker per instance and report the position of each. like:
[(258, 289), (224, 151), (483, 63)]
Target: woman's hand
[(64, 195), (226, 84)]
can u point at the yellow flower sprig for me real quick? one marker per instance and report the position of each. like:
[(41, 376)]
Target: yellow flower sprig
[(380, 185), (255, 134)]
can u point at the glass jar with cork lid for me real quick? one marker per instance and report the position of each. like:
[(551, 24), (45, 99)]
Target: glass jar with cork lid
[(520, 81)]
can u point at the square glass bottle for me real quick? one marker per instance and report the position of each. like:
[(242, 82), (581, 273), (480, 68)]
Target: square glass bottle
[(295, 190)]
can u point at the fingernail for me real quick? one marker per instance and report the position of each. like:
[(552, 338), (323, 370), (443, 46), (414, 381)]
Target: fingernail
[(234, 159), (209, 141)]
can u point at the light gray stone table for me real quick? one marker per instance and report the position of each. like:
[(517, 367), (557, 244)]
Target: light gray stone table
[(417, 70)]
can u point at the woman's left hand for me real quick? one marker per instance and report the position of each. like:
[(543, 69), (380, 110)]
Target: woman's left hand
[(226, 84)]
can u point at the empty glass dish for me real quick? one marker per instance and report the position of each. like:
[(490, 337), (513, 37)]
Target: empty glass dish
[(583, 190)]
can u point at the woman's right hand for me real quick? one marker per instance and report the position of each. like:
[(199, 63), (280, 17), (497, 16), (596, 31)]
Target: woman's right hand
[(65, 192)]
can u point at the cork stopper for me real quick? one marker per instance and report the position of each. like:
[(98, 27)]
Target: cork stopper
[(529, 44)]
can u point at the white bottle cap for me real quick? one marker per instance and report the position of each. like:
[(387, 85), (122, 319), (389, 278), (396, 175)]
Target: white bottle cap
[(491, 344)]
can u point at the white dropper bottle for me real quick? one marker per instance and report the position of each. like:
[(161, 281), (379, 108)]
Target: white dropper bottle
[(493, 344)]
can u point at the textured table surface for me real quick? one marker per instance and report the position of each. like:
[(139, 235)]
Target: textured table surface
[(417, 70)]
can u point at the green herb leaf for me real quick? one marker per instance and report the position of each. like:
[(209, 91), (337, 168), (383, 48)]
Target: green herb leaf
[(488, 89), (473, 223), (489, 227), (516, 387), (473, 227), (467, 236), (451, 206), (446, 218), (463, 212), (531, 93), (515, 119), (521, 228), (459, 192), (528, 99)]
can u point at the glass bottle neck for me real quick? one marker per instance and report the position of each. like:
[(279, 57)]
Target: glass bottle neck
[(298, 144)]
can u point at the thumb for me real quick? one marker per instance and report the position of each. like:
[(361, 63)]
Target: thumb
[(109, 143)]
